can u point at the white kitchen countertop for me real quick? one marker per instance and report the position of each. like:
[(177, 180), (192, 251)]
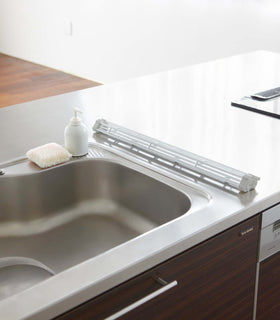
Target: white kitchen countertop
[(189, 108)]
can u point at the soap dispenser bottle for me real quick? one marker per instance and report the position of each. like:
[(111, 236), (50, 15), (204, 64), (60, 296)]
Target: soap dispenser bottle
[(76, 136)]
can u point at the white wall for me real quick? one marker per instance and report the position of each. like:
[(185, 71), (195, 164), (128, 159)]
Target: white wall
[(118, 39)]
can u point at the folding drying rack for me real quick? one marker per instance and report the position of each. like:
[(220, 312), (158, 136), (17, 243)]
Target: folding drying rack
[(175, 159)]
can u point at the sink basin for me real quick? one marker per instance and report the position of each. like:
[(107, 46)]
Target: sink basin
[(63, 216)]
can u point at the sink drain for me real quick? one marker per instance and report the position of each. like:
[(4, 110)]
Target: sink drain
[(19, 273)]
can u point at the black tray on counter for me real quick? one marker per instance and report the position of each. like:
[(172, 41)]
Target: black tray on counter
[(268, 107)]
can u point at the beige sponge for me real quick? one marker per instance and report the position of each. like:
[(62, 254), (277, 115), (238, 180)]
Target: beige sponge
[(48, 155)]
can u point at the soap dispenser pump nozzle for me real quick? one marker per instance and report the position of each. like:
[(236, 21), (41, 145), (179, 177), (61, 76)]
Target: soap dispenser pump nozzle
[(76, 120)]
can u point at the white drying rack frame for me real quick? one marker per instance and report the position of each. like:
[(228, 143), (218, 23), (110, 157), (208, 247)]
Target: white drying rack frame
[(174, 158)]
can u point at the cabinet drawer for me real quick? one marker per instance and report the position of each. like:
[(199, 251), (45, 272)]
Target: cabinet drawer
[(213, 280), (268, 305), (130, 294)]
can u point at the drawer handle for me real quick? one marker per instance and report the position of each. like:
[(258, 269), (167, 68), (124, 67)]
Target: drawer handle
[(143, 300)]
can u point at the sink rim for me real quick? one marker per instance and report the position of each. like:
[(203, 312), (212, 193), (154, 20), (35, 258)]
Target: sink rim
[(102, 279)]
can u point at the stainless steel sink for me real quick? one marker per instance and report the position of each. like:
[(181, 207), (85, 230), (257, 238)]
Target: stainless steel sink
[(54, 219)]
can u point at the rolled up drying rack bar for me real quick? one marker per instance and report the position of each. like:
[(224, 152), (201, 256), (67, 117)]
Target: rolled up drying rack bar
[(175, 158)]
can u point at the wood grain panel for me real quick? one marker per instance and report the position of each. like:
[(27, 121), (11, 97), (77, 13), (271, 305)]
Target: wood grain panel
[(215, 281), (268, 306), (22, 81)]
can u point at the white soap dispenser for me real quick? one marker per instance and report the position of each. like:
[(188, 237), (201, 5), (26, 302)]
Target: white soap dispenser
[(76, 136)]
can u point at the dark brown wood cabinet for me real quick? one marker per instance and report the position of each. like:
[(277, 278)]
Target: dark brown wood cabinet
[(215, 280), (268, 305)]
